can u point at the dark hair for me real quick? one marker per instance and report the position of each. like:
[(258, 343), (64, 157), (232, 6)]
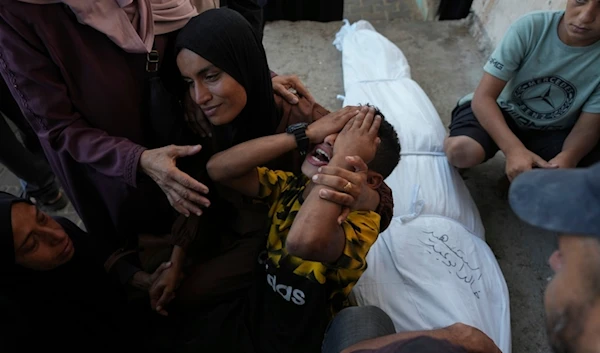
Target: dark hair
[(388, 152)]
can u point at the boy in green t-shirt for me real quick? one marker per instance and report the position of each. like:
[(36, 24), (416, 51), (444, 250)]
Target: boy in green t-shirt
[(539, 98)]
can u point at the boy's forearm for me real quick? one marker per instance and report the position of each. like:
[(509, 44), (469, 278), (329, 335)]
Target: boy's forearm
[(583, 138), (316, 234), (241, 159), (491, 118)]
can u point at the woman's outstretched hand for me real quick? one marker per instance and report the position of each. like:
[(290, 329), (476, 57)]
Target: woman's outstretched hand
[(183, 191)]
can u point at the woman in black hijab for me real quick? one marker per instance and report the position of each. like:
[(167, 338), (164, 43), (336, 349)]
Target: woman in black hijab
[(220, 51), (54, 290), (224, 65)]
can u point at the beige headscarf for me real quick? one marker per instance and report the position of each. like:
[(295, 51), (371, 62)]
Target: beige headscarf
[(131, 24)]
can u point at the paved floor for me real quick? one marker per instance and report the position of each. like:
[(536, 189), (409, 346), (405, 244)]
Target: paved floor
[(446, 63)]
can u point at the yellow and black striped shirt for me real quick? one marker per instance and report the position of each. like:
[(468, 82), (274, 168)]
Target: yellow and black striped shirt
[(282, 191)]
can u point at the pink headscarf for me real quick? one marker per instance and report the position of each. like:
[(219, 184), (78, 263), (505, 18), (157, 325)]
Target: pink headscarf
[(131, 24)]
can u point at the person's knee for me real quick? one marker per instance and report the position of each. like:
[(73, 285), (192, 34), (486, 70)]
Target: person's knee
[(463, 151), (370, 315), (349, 314), (370, 311), (353, 314)]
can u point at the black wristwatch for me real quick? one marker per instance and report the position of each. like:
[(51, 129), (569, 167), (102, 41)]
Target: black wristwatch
[(299, 132)]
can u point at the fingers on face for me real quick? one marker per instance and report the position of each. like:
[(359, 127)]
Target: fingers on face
[(365, 120), (335, 172), (346, 114), (337, 183), (358, 163), (356, 120), (337, 197), (349, 124), (374, 129), (368, 120), (343, 175)]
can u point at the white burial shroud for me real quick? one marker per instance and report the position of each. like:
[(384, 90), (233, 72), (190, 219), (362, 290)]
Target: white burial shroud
[(432, 267)]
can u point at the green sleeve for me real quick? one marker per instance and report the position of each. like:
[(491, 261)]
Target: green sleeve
[(506, 59)]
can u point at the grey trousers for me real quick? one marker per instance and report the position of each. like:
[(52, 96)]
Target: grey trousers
[(27, 163), (356, 324)]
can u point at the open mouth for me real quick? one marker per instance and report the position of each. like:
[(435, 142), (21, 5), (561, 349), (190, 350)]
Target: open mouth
[(320, 156)]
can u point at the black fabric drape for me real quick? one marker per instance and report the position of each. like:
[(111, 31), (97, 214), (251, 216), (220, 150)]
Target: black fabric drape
[(304, 10), (251, 10), (454, 9)]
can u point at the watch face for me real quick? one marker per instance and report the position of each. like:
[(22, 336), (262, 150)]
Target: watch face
[(297, 126)]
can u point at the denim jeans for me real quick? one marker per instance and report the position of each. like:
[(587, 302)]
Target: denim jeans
[(356, 324)]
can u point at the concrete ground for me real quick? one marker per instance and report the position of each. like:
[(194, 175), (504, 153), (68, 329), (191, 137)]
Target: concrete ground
[(446, 63)]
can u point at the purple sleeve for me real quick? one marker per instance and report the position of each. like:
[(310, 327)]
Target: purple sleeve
[(36, 83)]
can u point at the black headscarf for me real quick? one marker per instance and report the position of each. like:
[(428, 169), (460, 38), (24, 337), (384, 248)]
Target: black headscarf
[(228, 41), (7, 247), (18, 279), (89, 304)]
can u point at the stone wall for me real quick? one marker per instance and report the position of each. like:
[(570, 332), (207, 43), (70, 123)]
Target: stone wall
[(491, 18)]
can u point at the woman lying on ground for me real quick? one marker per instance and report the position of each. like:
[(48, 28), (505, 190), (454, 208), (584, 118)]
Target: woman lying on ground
[(55, 292)]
